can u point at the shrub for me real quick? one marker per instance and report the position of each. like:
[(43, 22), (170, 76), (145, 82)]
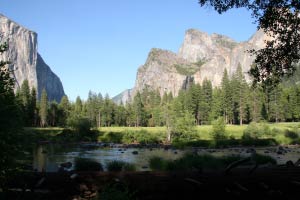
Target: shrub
[(192, 161), (265, 129), (80, 124), (184, 129), (218, 127), (252, 131), (276, 131), (116, 191), (87, 164), (145, 137), (117, 166), (292, 134), (281, 139), (157, 163), (142, 137), (129, 137), (114, 137)]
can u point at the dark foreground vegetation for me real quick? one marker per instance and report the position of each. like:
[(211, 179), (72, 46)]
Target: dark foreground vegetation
[(280, 182)]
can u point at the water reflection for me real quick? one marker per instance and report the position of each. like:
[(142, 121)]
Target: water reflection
[(49, 157)]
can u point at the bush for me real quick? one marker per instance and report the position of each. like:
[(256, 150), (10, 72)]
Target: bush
[(129, 137), (192, 161), (87, 164), (117, 166), (80, 124), (292, 134), (114, 137), (116, 191), (281, 139), (252, 132), (142, 137), (157, 163), (218, 126)]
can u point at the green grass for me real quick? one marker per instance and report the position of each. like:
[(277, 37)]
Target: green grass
[(148, 135)]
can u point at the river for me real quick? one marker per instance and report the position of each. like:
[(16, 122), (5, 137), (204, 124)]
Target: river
[(48, 157)]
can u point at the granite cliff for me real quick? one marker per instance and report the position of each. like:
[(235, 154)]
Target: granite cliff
[(26, 62), (201, 56)]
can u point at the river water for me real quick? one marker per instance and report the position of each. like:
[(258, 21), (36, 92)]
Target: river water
[(48, 157)]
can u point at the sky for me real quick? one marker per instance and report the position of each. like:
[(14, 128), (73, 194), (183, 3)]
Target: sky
[(98, 45)]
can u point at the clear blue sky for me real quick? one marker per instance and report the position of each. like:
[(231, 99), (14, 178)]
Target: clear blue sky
[(98, 45)]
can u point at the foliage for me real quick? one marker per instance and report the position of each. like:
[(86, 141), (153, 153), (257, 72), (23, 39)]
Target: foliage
[(218, 129), (117, 166), (80, 124), (256, 130), (280, 20), (114, 137), (43, 108), (116, 191), (129, 136), (191, 161), (87, 164), (10, 121), (183, 127), (292, 134), (157, 163)]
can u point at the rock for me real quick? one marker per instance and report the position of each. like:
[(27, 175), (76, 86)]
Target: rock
[(73, 176), (67, 165), (135, 152), (280, 150), (251, 150), (83, 187), (289, 163), (201, 56), (61, 169), (26, 62)]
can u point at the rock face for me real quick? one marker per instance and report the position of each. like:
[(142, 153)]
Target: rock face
[(201, 56), (123, 97), (26, 62)]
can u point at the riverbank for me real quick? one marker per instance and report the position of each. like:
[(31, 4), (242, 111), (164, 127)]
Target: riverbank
[(247, 183), (266, 135)]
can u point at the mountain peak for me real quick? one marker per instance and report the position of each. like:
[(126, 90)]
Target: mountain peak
[(26, 63), (201, 56)]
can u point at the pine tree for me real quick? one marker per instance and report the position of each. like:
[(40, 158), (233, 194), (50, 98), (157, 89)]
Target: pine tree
[(256, 101), (78, 106), (24, 99), (206, 100), (10, 121), (217, 105), (227, 97), (64, 110), (32, 111), (107, 111), (43, 108), (138, 108), (240, 94)]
